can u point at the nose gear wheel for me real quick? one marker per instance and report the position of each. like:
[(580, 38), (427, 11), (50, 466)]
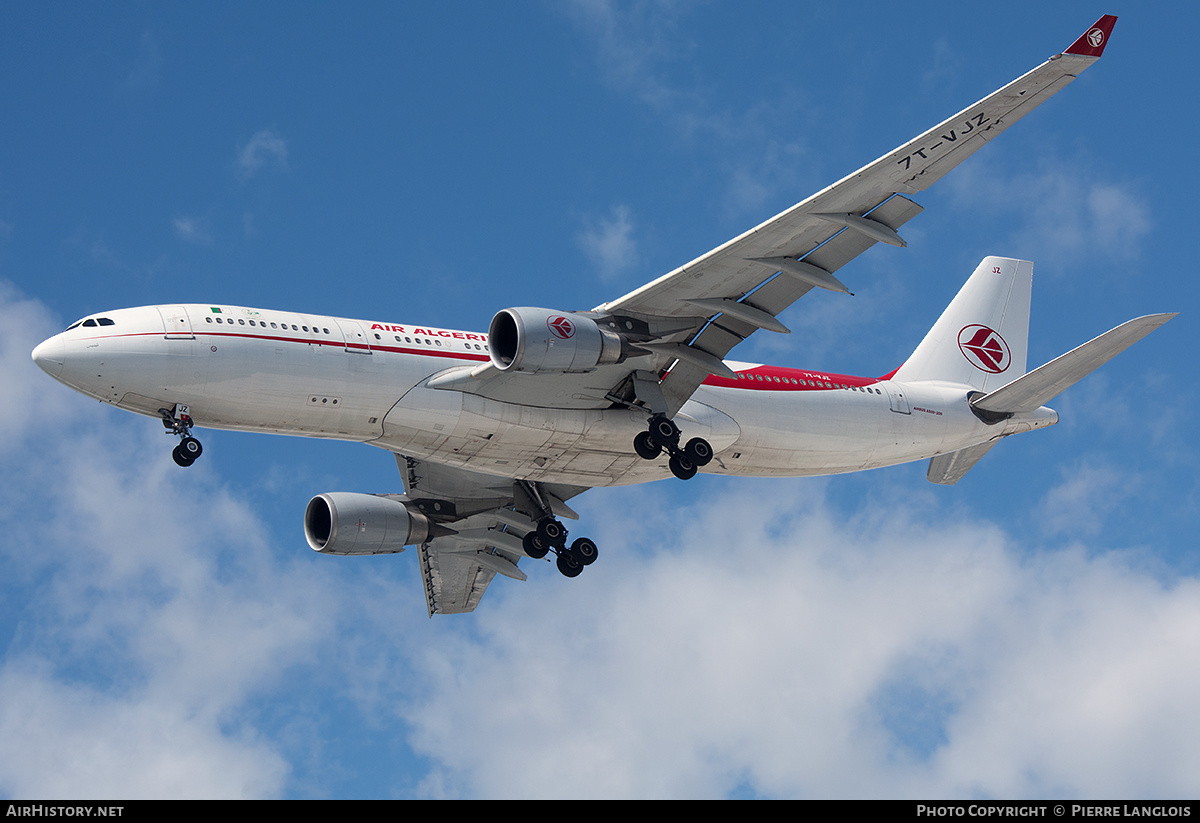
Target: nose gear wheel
[(177, 421)]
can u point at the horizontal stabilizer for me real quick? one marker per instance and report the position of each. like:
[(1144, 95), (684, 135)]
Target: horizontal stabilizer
[(1038, 387), (948, 469)]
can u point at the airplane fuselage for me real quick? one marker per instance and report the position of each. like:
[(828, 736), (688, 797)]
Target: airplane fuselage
[(318, 376)]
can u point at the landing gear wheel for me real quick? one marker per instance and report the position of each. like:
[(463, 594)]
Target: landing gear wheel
[(698, 452), (191, 447), (646, 447), (552, 533), (664, 432), (534, 547), (585, 551), (682, 468), (568, 565), (176, 420)]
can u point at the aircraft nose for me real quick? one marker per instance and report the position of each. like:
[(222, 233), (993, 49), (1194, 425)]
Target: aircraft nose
[(50, 354)]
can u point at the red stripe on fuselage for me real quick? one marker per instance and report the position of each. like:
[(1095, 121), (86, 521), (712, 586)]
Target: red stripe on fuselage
[(335, 343), (779, 378), (759, 378)]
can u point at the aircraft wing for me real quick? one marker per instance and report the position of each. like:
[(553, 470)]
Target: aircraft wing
[(693, 316), (768, 268), (482, 519)]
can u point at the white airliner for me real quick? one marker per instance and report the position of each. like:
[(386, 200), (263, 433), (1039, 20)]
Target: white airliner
[(494, 433)]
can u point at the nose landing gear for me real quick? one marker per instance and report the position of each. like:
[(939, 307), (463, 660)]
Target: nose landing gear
[(663, 435), (178, 422)]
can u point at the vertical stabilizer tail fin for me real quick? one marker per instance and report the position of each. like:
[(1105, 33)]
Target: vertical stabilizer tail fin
[(982, 338)]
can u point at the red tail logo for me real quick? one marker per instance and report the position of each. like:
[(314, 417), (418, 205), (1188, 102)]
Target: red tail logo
[(984, 348), (561, 327)]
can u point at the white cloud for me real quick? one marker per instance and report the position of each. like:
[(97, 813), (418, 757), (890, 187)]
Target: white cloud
[(755, 638), (67, 740), (146, 71), (1063, 211), (782, 651), (153, 610), (264, 149), (608, 243), (643, 50), (193, 230), (1086, 497), (634, 44)]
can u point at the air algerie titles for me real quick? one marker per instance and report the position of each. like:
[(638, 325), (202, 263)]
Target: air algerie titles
[(457, 335)]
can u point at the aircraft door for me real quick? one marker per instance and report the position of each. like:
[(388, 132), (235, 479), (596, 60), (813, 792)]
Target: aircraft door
[(176, 324), (897, 397), (354, 337)]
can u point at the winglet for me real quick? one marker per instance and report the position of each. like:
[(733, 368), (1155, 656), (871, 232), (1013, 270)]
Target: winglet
[(1093, 41)]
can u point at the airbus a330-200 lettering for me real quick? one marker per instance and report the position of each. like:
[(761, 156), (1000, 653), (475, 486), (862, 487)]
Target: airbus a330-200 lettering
[(494, 434)]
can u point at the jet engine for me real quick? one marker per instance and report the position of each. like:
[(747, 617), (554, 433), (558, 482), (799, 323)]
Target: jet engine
[(540, 340), (348, 523)]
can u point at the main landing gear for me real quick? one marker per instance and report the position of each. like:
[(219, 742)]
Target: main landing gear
[(663, 435), (177, 421), (551, 535)]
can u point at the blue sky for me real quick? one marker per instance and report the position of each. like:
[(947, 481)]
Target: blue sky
[(1033, 631)]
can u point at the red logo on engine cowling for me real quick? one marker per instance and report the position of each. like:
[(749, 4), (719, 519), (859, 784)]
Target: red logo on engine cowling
[(984, 348), (561, 327)]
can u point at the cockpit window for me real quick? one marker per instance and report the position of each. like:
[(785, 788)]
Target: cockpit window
[(91, 322)]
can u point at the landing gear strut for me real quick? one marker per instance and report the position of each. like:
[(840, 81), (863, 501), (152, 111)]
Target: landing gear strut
[(663, 435), (178, 422), (551, 535)]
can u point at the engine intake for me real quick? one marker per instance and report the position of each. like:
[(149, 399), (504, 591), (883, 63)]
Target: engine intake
[(540, 340), (349, 523)]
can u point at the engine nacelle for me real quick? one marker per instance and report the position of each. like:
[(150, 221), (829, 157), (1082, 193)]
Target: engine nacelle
[(348, 523), (540, 340)]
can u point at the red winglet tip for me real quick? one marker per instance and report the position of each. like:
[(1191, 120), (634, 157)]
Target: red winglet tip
[(1093, 41)]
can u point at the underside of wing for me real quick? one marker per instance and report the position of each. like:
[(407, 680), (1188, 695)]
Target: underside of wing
[(683, 324), (481, 521), (754, 277)]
